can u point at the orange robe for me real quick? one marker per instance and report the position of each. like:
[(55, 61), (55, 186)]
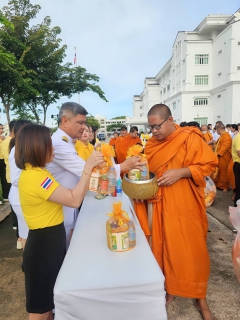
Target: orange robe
[(122, 146), (208, 137), (224, 153), (179, 221), (231, 176), (112, 141)]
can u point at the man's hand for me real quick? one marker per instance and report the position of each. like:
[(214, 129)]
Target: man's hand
[(171, 176), (95, 159), (132, 163)]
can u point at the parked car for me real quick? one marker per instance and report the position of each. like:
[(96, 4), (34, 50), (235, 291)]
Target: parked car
[(101, 136)]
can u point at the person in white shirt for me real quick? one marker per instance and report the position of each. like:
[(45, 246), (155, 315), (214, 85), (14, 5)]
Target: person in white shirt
[(229, 130), (13, 197), (234, 130), (67, 166)]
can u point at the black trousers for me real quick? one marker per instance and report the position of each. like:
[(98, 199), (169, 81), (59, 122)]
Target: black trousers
[(236, 170), (5, 185)]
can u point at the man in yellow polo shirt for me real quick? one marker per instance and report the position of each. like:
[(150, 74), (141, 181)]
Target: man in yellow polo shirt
[(236, 165)]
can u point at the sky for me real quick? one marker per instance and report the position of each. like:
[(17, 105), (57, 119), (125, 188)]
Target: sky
[(122, 41)]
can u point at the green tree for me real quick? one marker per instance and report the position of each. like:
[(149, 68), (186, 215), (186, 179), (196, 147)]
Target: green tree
[(92, 121), (119, 117), (40, 52), (114, 126), (14, 76)]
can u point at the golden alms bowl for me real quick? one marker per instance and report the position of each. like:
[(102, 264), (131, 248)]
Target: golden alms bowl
[(141, 190)]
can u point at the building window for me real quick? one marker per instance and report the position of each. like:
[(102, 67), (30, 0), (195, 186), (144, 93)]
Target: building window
[(174, 105), (219, 74), (168, 87), (140, 114), (201, 120), (201, 80), (219, 96), (220, 51), (238, 68), (141, 107), (201, 58), (239, 43), (200, 101)]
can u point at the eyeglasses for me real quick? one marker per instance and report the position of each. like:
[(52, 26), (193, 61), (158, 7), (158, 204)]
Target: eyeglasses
[(157, 126)]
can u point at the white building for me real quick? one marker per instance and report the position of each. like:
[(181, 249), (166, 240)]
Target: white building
[(201, 81), (106, 122)]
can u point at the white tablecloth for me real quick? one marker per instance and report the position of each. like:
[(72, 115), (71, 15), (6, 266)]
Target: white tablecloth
[(95, 283)]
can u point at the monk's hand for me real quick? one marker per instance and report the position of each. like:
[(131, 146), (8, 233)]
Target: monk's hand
[(132, 163), (170, 177)]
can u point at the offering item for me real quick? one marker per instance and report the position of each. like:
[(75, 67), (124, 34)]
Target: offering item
[(210, 192), (120, 230), (235, 220), (98, 180), (135, 174)]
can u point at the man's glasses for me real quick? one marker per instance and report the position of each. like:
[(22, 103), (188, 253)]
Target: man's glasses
[(157, 126)]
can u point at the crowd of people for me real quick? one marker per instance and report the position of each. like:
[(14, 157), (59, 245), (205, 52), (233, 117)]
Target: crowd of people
[(48, 177)]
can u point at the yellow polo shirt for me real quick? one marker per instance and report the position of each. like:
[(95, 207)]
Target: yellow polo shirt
[(84, 151), (236, 147), (5, 151), (35, 187)]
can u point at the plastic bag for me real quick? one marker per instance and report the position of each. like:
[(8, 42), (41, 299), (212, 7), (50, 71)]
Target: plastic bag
[(210, 192), (235, 220)]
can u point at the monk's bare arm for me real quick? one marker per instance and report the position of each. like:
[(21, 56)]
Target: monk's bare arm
[(171, 176)]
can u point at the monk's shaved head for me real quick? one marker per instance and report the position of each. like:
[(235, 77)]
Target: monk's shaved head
[(160, 110), (221, 126), (204, 127)]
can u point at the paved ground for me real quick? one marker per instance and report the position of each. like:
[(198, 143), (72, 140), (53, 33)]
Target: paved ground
[(223, 293)]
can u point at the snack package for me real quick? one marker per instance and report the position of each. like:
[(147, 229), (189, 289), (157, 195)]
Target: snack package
[(136, 174), (210, 192), (120, 229), (235, 220)]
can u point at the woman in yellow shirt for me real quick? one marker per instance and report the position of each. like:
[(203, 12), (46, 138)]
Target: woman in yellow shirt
[(83, 147), (41, 199)]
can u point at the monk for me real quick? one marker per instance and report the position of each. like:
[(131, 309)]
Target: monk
[(122, 146), (113, 140), (207, 136), (180, 159), (224, 154)]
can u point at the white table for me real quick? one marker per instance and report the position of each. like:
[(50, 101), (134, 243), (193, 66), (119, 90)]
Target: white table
[(96, 283)]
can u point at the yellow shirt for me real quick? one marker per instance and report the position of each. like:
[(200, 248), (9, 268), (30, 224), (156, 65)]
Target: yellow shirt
[(35, 187), (5, 151), (84, 151), (236, 147)]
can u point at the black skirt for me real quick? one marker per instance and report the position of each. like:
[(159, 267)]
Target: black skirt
[(42, 259)]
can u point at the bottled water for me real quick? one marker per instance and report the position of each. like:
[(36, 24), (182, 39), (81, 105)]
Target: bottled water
[(144, 173), (131, 234), (111, 180), (119, 188)]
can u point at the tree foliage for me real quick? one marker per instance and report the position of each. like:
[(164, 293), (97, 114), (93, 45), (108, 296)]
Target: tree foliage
[(114, 126), (119, 117), (37, 77), (92, 121)]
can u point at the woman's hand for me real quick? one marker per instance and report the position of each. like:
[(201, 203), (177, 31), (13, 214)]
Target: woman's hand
[(94, 160)]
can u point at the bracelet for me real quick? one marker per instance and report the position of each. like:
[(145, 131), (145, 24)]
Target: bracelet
[(89, 174)]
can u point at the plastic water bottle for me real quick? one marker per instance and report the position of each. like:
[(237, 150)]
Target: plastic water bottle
[(119, 188), (145, 169), (111, 180), (131, 234)]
